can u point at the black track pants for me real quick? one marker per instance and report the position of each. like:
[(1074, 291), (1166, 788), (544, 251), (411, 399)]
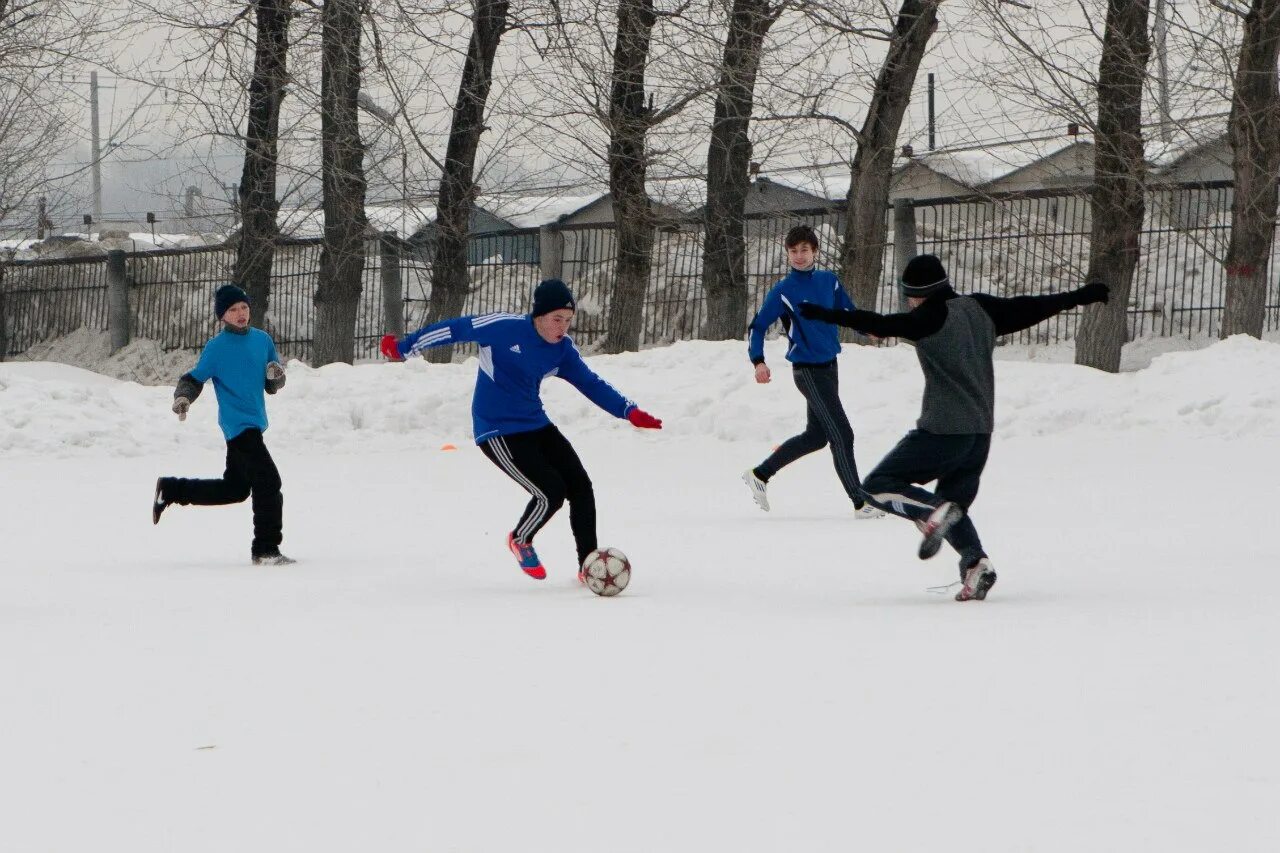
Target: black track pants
[(250, 471), (955, 461), (546, 466), (826, 425)]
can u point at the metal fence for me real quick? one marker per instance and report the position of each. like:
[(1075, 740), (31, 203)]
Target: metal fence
[(1009, 244)]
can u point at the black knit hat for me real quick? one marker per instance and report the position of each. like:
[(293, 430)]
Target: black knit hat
[(227, 296), (552, 294), (923, 275)]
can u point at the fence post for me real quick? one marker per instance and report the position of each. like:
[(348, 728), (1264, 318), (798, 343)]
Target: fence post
[(550, 252), (392, 287), (904, 241), (117, 299)]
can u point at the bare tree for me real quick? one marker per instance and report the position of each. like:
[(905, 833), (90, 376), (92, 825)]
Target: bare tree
[(1120, 176), (724, 274), (42, 42), (342, 175), (1254, 134), (257, 194), (457, 181), (861, 258)]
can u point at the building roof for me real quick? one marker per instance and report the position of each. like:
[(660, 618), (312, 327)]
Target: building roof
[(403, 220), (536, 211)]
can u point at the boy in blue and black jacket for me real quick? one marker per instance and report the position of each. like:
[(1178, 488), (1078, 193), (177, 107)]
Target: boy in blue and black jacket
[(243, 363), (518, 351), (814, 345)]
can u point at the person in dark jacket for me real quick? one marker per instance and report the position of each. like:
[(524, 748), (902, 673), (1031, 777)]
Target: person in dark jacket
[(518, 351), (243, 363), (813, 345), (954, 337)]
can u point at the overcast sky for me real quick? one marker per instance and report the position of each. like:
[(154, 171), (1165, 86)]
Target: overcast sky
[(165, 146)]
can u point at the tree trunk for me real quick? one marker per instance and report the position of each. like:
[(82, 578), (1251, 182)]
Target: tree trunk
[(724, 272), (865, 236), (628, 125), (1254, 134), (457, 184), (342, 176), (258, 202), (1119, 179)]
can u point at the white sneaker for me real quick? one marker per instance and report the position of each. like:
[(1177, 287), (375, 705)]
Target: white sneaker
[(276, 559), (978, 581), (867, 511), (757, 487)]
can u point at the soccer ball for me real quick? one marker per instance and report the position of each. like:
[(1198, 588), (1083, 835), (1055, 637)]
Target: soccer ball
[(606, 571)]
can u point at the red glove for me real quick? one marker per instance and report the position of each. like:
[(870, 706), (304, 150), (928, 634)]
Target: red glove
[(643, 420), (388, 348)]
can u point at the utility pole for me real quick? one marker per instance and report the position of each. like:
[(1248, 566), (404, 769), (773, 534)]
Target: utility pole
[(931, 114), (189, 203), (1160, 31), (95, 154)]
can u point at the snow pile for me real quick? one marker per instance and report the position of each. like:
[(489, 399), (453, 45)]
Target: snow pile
[(701, 389), (142, 360)]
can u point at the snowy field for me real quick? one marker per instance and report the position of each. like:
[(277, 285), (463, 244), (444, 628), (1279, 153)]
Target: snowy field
[(769, 682)]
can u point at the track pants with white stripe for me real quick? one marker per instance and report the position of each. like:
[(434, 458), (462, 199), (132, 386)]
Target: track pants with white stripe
[(826, 425), (545, 465), (955, 461)]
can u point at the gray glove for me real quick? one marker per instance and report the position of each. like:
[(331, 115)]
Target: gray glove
[(180, 407), (275, 370)]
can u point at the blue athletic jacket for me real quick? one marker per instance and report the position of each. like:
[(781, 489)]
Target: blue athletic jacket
[(237, 364), (514, 359), (812, 341)]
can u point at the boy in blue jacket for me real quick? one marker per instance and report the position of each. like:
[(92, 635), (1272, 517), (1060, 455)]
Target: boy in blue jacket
[(243, 363), (518, 351), (814, 345)]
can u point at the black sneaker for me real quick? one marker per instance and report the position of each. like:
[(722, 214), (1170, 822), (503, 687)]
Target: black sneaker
[(158, 503), (275, 558), (936, 526), (978, 580)]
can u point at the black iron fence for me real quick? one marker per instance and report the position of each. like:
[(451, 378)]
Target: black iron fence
[(1030, 242)]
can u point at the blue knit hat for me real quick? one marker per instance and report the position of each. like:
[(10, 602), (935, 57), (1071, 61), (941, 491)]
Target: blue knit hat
[(552, 294), (227, 296)]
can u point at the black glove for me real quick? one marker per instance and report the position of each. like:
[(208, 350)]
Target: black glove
[(811, 311), (1094, 291)]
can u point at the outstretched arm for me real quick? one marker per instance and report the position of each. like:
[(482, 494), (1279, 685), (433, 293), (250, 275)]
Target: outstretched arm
[(458, 330), (1013, 314), (911, 325), (575, 371)]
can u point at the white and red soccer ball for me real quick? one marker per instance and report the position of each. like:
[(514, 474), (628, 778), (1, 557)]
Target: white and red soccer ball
[(606, 571)]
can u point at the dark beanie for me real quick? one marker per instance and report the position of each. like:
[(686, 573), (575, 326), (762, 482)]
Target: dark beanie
[(550, 295), (227, 296), (924, 274)]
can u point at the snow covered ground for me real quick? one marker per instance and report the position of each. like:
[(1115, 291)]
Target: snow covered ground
[(769, 682)]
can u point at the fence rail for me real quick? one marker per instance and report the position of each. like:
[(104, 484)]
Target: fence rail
[(1007, 244)]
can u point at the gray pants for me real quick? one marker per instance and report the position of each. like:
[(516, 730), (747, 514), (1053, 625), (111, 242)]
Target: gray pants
[(826, 425)]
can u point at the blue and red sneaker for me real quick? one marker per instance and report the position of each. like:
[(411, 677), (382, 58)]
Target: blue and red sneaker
[(527, 557)]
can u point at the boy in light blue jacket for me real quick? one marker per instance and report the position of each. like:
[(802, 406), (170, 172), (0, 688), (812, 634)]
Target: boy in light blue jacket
[(243, 364), (812, 350)]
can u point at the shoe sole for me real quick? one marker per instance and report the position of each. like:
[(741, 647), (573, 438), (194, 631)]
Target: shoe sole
[(756, 494), (932, 542), (157, 505), (979, 593)]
